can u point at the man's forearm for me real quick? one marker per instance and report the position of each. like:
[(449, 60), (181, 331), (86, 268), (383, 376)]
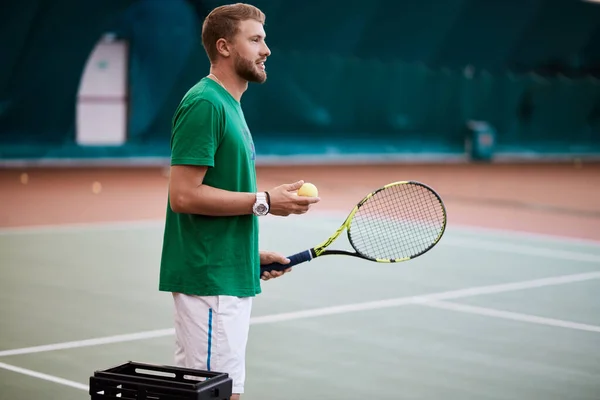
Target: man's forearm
[(207, 200)]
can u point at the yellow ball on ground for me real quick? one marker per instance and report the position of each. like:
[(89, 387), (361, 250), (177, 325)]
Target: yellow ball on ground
[(309, 190), (96, 187)]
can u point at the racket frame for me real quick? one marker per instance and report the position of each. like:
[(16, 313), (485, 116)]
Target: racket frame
[(321, 249)]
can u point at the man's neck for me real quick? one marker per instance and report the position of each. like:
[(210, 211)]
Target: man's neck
[(230, 82)]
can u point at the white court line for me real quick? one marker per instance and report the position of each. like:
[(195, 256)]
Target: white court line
[(490, 312), (83, 227), (453, 294), (373, 305), (45, 377), (341, 215), (520, 249), (449, 241), (90, 342), (502, 246), (464, 229), (517, 234), (506, 247), (334, 310), (462, 293)]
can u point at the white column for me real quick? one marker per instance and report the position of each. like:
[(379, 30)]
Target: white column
[(102, 97)]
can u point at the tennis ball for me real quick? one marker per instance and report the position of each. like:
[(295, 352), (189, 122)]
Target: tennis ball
[(309, 190), (96, 187)]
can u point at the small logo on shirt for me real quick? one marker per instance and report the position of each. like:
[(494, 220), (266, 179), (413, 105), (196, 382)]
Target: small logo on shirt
[(249, 143)]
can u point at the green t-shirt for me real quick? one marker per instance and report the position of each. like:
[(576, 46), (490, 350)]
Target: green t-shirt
[(205, 255)]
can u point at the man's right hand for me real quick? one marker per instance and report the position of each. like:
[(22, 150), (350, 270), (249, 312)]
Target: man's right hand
[(285, 200)]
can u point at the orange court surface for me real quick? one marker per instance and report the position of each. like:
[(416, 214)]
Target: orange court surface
[(553, 199)]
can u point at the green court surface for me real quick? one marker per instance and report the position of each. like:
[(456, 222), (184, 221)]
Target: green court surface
[(484, 315)]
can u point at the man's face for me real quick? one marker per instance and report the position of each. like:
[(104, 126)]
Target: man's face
[(250, 51)]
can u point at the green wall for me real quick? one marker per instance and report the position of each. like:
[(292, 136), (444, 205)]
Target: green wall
[(359, 76)]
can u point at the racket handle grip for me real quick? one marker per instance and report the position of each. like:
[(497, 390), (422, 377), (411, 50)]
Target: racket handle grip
[(295, 259)]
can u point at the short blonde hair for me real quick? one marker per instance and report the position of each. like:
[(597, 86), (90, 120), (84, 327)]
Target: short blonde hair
[(223, 22)]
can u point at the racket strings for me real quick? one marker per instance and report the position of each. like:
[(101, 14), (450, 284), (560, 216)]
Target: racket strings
[(397, 222)]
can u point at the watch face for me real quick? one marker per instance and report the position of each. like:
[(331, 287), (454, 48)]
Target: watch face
[(261, 208)]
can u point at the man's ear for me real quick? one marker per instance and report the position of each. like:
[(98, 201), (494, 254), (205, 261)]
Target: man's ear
[(223, 47)]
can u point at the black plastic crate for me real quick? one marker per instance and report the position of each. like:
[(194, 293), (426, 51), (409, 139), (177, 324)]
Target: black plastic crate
[(140, 381)]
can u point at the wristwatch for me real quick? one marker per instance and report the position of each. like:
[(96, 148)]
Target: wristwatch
[(261, 206)]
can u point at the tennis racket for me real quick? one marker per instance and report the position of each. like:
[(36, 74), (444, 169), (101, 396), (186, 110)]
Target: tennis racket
[(395, 223)]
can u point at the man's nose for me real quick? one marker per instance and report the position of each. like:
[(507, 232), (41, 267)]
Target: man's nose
[(266, 51)]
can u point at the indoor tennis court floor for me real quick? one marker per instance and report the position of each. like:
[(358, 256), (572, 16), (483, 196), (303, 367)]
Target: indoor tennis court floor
[(484, 315)]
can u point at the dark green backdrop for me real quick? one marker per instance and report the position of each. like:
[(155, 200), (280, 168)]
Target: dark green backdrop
[(344, 76)]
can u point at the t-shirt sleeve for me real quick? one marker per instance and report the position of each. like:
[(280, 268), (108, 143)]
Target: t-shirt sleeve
[(197, 130)]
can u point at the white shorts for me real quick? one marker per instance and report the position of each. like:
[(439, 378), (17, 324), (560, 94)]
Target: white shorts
[(211, 333)]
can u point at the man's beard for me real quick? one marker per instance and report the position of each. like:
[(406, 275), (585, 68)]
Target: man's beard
[(248, 69)]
